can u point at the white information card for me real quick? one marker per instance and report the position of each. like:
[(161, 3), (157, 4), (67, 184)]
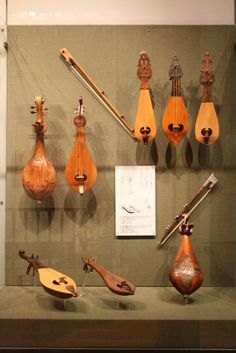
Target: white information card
[(135, 200)]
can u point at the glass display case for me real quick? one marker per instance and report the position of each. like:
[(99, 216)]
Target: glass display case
[(66, 226)]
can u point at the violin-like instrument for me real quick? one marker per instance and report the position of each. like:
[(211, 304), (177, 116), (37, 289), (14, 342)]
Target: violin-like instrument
[(52, 281), (145, 125), (116, 284), (175, 121), (39, 176), (207, 125), (81, 171), (185, 273)]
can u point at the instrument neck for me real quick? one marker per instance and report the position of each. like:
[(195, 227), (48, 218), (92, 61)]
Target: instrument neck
[(176, 87), (39, 145), (185, 244), (207, 94), (80, 134)]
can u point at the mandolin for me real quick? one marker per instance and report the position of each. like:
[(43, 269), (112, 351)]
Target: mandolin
[(185, 273), (175, 121), (207, 126), (52, 281), (39, 176), (81, 171), (116, 284), (145, 126)]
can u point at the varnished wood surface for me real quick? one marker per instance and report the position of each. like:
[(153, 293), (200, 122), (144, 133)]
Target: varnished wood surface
[(175, 114), (39, 175), (80, 171), (115, 283), (207, 119)]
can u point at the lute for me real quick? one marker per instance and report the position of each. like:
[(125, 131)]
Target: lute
[(145, 125), (115, 283), (207, 125), (80, 171), (39, 176), (52, 281), (175, 121), (185, 273)]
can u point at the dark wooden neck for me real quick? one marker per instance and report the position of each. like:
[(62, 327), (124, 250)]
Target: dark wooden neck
[(176, 87)]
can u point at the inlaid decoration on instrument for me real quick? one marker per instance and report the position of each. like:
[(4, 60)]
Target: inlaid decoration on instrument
[(175, 121), (81, 171), (145, 125), (207, 125), (52, 281), (185, 273), (39, 176)]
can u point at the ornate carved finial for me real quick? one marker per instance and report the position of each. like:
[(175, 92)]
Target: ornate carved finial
[(144, 71), (175, 68), (207, 76), (186, 228)]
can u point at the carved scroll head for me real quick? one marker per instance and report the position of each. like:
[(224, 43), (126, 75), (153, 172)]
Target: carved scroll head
[(175, 71), (39, 126), (207, 76), (144, 71)]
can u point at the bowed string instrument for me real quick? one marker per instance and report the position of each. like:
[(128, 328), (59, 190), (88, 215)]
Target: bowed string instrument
[(185, 273), (39, 176), (175, 121), (145, 126), (52, 281), (207, 126), (81, 171)]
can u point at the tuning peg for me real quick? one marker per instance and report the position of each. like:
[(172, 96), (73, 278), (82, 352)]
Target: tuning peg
[(168, 226), (32, 107), (45, 109), (32, 112)]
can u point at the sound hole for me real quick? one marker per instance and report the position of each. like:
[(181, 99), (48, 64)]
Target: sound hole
[(175, 128), (145, 131), (80, 178), (206, 132)]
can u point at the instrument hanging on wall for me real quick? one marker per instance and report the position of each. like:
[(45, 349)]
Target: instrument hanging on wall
[(81, 171), (189, 208), (39, 176), (52, 281), (145, 125), (175, 121), (207, 125), (88, 82), (185, 273), (116, 284)]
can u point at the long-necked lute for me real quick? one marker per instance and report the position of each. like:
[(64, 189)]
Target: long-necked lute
[(39, 176), (175, 121), (115, 283), (145, 125), (185, 273), (53, 282), (81, 171), (188, 208), (207, 125)]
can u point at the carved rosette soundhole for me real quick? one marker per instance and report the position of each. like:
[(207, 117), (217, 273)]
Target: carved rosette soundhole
[(175, 128), (145, 132), (206, 133)]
